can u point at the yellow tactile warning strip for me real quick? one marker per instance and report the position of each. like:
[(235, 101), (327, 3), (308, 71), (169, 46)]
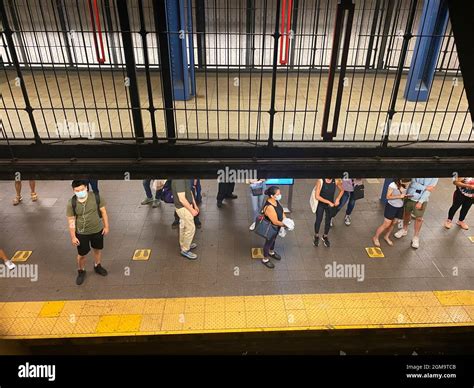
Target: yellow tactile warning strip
[(128, 317)]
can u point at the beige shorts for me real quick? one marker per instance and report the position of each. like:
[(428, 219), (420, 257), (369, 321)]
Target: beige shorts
[(410, 207)]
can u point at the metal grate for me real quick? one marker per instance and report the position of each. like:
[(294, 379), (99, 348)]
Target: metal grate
[(56, 90)]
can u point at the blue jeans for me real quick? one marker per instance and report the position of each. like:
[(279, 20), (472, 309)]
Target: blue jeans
[(347, 196), (257, 203), (149, 194), (94, 184)]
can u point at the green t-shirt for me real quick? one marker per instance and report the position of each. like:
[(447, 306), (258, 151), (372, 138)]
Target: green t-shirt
[(87, 217), (181, 186)]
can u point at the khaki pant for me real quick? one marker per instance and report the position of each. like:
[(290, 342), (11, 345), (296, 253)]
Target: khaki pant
[(186, 228)]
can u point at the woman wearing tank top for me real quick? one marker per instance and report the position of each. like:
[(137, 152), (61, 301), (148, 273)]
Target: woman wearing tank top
[(393, 212), (463, 198), (325, 193), (274, 213)]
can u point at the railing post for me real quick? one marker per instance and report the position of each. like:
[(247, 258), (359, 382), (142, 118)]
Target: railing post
[(342, 7), (161, 26), (276, 37), (396, 85), (131, 69)]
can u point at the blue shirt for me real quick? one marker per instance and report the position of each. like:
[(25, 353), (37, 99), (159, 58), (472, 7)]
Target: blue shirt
[(418, 190)]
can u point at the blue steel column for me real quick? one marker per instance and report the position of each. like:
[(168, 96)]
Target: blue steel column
[(180, 24), (433, 21)]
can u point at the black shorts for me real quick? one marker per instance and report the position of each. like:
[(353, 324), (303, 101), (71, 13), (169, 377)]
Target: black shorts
[(87, 241), (392, 212)]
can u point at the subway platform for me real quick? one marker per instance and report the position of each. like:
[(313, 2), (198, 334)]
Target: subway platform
[(226, 290)]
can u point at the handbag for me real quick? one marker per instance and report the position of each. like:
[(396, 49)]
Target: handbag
[(257, 188), (264, 228), (359, 192), (313, 202)]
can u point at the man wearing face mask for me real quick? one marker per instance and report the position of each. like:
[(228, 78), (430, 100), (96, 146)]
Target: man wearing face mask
[(88, 224)]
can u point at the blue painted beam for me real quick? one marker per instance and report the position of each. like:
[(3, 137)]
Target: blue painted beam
[(181, 48), (433, 21)]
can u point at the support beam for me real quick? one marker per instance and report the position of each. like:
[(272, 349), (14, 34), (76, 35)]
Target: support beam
[(106, 161), (433, 21)]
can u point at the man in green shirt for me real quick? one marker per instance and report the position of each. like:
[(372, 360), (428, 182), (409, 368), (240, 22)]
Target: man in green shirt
[(88, 224), (186, 209)]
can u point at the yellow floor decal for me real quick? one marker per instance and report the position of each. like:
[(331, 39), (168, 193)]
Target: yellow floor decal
[(141, 254), (471, 238), (257, 253), (20, 256), (374, 252)]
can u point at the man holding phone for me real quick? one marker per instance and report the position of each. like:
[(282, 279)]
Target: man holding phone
[(418, 194)]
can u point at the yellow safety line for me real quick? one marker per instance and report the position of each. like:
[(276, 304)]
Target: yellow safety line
[(237, 314)]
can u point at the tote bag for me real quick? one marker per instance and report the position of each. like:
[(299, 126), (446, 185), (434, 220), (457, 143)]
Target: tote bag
[(264, 228), (313, 202)]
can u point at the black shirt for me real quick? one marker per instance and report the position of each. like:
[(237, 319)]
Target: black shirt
[(278, 209), (328, 190)]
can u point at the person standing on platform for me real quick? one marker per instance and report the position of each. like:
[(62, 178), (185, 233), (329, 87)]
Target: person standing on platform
[(149, 194), (257, 196), (348, 185), (196, 189), (225, 191), (88, 224), (187, 209), (463, 198), (19, 198), (396, 193), (416, 201), (325, 194), (93, 184), (273, 212)]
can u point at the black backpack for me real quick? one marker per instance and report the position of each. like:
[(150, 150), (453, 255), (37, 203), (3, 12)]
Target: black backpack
[(74, 204)]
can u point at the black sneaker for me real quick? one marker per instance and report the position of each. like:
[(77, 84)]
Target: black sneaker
[(219, 204), (326, 242), (275, 256), (81, 275), (268, 264), (232, 196), (100, 270), (316, 241), (175, 225)]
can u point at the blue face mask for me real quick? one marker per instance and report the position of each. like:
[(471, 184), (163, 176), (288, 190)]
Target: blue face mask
[(81, 194), (278, 197)]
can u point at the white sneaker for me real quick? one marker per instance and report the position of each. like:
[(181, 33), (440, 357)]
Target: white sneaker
[(347, 220), (10, 265), (401, 233), (252, 227), (415, 243)]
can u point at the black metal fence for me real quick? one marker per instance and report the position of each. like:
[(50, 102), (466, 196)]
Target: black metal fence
[(264, 71)]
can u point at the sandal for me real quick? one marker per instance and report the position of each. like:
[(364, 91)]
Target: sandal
[(34, 197), (17, 200)]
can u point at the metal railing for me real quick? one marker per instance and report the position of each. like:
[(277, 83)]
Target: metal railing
[(343, 81)]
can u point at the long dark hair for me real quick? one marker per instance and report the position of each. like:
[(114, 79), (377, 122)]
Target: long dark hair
[(271, 190), (401, 183)]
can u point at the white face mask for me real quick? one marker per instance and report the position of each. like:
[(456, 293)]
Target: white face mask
[(81, 194), (278, 197)]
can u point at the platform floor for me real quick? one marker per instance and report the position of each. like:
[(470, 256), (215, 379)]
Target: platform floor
[(429, 286), (229, 106)]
